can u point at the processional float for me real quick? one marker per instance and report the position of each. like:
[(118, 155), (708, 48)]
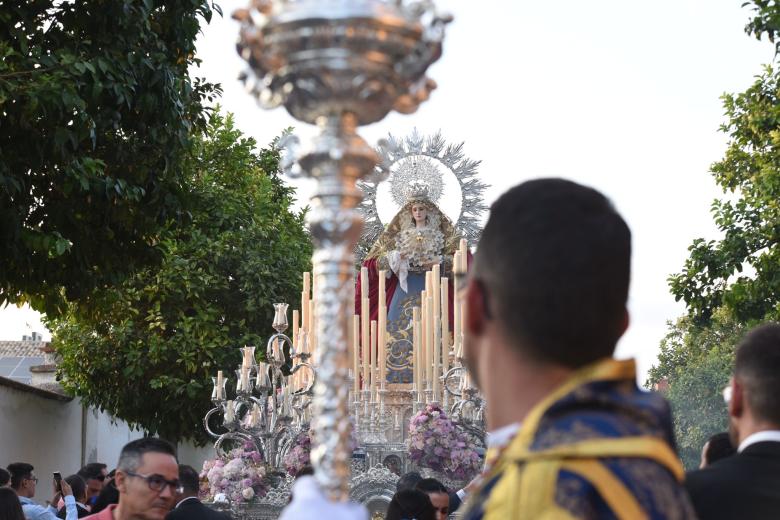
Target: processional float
[(337, 64)]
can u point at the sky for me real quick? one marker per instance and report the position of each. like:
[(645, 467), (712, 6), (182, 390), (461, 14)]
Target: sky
[(623, 96)]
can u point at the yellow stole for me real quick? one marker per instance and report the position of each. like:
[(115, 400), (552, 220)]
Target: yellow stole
[(528, 479)]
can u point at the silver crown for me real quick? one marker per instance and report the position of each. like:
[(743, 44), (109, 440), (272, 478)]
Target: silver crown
[(417, 178)]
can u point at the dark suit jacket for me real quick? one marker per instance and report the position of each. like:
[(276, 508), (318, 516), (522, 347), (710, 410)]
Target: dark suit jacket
[(746, 485), (193, 509), (82, 512)]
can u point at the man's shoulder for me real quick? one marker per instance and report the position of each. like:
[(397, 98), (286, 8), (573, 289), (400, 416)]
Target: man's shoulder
[(106, 514), (752, 464)]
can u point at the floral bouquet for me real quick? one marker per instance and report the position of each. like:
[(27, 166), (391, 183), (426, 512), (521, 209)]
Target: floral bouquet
[(238, 477), (437, 443), (299, 455)]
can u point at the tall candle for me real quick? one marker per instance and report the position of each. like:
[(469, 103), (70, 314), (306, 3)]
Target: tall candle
[(417, 347), (305, 300), (220, 383), (374, 364), (436, 324), (356, 353), (423, 338), (445, 325), (312, 329), (365, 317), (296, 328), (456, 269), (382, 331)]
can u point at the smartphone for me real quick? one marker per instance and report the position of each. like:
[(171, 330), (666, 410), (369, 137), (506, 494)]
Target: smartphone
[(58, 481)]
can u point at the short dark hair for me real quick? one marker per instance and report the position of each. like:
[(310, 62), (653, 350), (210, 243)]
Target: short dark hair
[(19, 471), (93, 470), (189, 479), (5, 477), (718, 447), (757, 367), (78, 485), (430, 485), (555, 261), (408, 481), (410, 503), (133, 452)]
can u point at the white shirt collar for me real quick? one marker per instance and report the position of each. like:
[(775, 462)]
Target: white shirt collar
[(502, 436), (766, 435), (184, 500)]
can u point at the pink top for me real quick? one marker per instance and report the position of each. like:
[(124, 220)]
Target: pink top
[(106, 514)]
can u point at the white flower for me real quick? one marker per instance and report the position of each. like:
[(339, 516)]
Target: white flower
[(220, 497), (233, 468), (248, 493)]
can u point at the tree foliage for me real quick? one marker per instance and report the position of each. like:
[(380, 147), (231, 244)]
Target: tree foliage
[(741, 271), (697, 362), (729, 284), (145, 351), (96, 111)]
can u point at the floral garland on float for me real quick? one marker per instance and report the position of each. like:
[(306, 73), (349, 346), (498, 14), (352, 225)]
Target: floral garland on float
[(438, 444)]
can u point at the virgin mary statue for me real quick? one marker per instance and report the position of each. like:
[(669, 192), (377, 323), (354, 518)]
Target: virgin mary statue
[(418, 237)]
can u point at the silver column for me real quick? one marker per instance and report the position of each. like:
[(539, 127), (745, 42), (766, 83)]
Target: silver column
[(337, 64)]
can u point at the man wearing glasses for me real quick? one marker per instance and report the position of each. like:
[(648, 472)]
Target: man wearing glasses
[(147, 477), (24, 482)]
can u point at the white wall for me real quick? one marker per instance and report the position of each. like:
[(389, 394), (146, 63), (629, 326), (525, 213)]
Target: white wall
[(43, 432), (56, 435)]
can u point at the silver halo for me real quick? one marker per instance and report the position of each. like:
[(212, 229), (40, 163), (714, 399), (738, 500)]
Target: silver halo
[(401, 152)]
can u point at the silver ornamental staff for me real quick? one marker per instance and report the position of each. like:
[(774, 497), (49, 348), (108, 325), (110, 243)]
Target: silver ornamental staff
[(337, 64)]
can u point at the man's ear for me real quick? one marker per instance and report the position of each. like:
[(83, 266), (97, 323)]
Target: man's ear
[(119, 481), (737, 404), (476, 312), (626, 321)]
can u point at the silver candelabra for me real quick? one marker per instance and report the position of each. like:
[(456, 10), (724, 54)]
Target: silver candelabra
[(271, 405), (337, 64)]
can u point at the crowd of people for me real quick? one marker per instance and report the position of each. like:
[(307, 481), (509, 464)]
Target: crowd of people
[(148, 483), (571, 435)]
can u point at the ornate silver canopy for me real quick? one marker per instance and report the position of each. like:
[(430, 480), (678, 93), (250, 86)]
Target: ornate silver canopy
[(414, 164)]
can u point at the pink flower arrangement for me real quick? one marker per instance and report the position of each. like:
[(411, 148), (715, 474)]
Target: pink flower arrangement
[(239, 477), (299, 455), (437, 443)]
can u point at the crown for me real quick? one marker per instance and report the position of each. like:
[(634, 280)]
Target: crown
[(417, 178), (418, 191)]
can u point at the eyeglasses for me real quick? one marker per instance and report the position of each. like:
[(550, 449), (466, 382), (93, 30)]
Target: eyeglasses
[(33, 478), (157, 482)]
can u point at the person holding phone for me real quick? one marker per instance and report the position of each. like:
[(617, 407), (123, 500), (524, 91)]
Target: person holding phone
[(24, 482)]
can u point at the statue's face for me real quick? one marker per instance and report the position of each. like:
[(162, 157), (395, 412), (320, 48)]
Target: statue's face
[(419, 212)]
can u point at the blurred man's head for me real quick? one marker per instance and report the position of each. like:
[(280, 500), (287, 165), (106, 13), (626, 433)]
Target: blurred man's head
[(147, 477), (716, 448), (551, 273), (23, 480), (755, 388), (408, 481), (78, 486), (190, 482), (94, 474), (5, 478), (440, 498)]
